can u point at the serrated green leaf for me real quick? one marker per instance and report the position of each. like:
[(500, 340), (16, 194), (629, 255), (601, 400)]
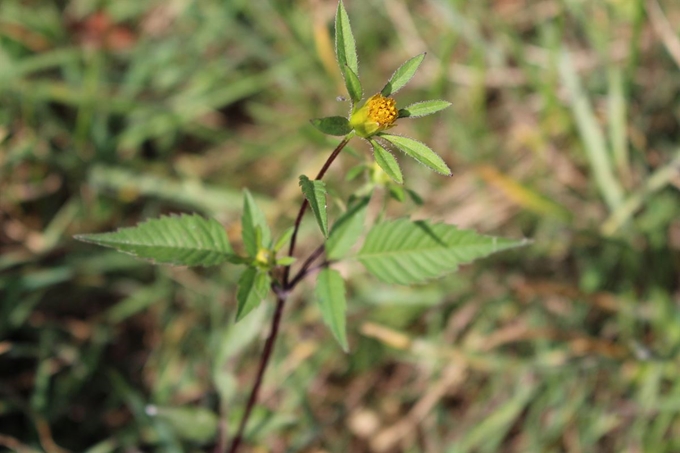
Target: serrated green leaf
[(406, 252), (346, 230), (345, 46), (330, 291), (332, 125), (402, 75), (419, 151), (253, 287), (387, 162), (186, 240), (315, 192), (423, 108), (252, 218), (353, 84)]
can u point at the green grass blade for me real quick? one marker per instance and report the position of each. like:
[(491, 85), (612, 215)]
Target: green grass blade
[(195, 424), (186, 240), (616, 114), (657, 181), (592, 136), (330, 292)]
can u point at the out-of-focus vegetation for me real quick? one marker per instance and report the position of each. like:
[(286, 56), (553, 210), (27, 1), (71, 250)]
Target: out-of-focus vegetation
[(564, 128)]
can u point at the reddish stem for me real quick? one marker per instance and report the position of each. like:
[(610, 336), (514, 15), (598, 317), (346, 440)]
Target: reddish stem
[(281, 296), (303, 208), (264, 361)]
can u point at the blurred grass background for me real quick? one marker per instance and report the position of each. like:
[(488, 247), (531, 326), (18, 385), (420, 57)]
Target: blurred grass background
[(564, 128)]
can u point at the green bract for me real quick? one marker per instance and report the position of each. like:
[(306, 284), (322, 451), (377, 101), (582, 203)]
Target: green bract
[(379, 113)]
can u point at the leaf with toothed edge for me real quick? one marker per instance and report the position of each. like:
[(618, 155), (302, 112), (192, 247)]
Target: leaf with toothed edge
[(407, 252), (186, 240), (315, 192), (253, 287)]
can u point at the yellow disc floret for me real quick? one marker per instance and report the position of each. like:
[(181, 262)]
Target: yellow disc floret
[(377, 114), (382, 110)]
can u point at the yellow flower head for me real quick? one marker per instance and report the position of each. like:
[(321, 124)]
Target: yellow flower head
[(377, 114)]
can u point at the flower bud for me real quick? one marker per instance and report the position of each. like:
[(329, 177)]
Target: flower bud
[(376, 115)]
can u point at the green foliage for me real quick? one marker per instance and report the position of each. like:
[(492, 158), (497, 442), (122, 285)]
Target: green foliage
[(284, 239), (347, 230), (332, 125), (353, 84), (423, 108), (345, 47), (253, 287), (419, 151), (186, 240), (387, 162), (255, 231), (189, 423), (407, 252), (402, 75), (330, 293), (315, 192)]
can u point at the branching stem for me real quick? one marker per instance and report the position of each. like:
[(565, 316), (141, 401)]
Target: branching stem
[(305, 203), (281, 297), (306, 265)]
